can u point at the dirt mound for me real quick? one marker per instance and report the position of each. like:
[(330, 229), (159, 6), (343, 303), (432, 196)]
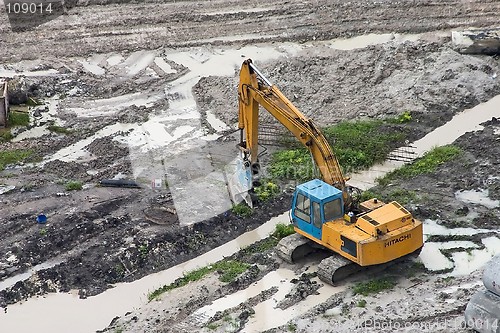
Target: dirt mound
[(419, 77)]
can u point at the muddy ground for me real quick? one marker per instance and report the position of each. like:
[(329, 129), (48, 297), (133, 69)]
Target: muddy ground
[(100, 236)]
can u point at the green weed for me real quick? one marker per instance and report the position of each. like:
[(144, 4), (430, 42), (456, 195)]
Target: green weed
[(373, 286), (242, 210), (361, 303), (228, 271), (292, 327), (143, 250), (267, 190), (74, 185), (357, 145), (14, 156), (59, 129), (212, 326), (283, 230), (18, 118), (426, 164), (291, 164), (369, 194), (402, 196), (404, 117), (5, 135)]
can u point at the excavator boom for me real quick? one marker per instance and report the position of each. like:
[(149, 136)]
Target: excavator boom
[(254, 90)]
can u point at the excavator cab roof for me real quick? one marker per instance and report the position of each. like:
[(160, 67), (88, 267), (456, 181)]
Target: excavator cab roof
[(319, 189)]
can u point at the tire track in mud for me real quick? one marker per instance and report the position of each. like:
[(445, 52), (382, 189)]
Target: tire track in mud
[(111, 27)]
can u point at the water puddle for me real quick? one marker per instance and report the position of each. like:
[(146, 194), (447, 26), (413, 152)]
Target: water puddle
[(215, 122), (479, 197), (267, 316), (47, 113), (461, 262), (138, 61), (109, 106), (92, 68), (164, 66), (280, 277), (114, 60), (468, 262), (9, 282), (368, 178), (431, 227), (76, 151), (67, 313)]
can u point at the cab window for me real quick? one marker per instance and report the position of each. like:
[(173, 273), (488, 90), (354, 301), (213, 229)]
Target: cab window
[(317, 215), (303, 208), (333, 210)]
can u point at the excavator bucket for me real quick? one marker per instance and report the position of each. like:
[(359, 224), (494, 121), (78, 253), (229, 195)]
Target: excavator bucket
[(239, 181), (483, 310)]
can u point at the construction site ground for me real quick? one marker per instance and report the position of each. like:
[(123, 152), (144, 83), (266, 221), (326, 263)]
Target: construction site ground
[(148, 90)]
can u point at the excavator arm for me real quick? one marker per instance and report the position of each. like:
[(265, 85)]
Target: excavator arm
[(254, 90)]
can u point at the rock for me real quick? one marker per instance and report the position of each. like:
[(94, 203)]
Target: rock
[(6, 188), (477, 41), (18, 91)]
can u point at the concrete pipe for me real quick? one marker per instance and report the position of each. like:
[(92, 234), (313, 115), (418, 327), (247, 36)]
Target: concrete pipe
[(491, 275), (483, 312)]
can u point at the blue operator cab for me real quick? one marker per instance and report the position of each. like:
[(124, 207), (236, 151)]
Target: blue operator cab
[(315, 203)]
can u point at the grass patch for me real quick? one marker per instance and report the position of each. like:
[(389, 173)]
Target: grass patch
[(283, 230), (5, 135), (369, 194), (426, 164), (212, 326), (242, 210), (292, 327), (291, 164), (266, 191), (402, 196), (360, 144), (228, 271), (19, 118), (357, 145), (361, 303), (403, 118), (280, 231), (373, 286), (14, 156), (74, 185), (59, 129)]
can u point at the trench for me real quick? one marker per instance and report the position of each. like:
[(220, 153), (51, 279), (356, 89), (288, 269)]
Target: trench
[(179, 128)]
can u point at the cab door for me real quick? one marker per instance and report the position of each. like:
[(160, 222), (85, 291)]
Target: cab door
[(307, 215), (317, 221), (301, 212)]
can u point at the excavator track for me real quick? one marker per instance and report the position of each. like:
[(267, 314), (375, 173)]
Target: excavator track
[(294, 247), (337, 268)]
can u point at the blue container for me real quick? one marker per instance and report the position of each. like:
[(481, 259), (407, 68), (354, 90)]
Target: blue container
[(41, 219)]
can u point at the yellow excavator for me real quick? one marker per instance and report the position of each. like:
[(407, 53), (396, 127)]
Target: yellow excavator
[(327, 212)]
